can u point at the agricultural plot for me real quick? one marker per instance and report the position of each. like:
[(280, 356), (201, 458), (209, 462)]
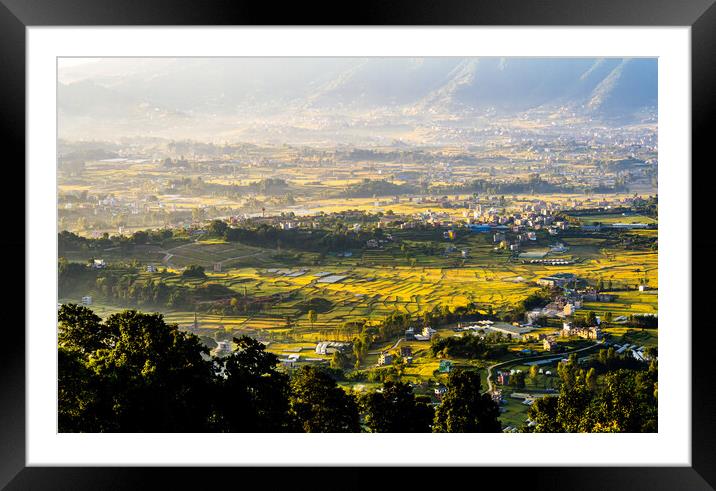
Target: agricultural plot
[(608, 219), (627, 303), (207, 254), (375, 283)]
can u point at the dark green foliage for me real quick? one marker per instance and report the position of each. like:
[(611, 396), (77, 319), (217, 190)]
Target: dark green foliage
[(135, 373), (317, 304), (194, 271), (645, 321), (77, 390), (72, 276), (396, 410), (543, 414), (252, 395), (81, 330), (608, 360), (464, 409), (129, 290), (68, 241), (319, 405), (318, 240), (132, 373), (625, 401), (217, 227), (537, 299), (340, 360), (369, 188), (518, 380), (467, 346)]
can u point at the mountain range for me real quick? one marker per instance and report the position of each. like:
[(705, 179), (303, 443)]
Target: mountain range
[(131, 96)]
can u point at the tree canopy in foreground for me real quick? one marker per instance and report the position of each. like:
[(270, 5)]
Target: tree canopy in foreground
[(133, 372)]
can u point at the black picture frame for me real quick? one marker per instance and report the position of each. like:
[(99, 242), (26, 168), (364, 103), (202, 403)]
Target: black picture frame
[(700, 15)]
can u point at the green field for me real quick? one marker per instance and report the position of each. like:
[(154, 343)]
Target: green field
[(628, 302), (380, 282)]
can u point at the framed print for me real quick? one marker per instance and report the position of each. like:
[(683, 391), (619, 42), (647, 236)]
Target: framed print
[(439, 236)]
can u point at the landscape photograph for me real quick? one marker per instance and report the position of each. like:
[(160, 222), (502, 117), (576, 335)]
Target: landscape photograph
[(342, 244)]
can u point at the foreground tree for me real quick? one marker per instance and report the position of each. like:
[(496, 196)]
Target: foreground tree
[(543, 414), (132, 373), (625, 401), (77, 390), (464, 408), (80, 330), (319, 405), (396, 410), (252, 396)]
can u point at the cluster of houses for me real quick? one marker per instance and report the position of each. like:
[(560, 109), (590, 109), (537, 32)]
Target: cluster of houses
[(570, 300), (425, 335), (405, 353), (549, 342)]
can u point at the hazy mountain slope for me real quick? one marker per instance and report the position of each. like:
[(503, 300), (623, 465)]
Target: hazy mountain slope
[(163, 93)]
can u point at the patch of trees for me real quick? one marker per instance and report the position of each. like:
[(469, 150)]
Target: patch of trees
[(130, 373), (68, 241), (537, 299), (533, 184), (517, 380), (217, 227), (648, 206), (586, 212), (134, 373), (396, 409), (369, 188), (464, 408), (271, 185), (318, 305), (194, 271), (645, 321), (181, 162), (238, 304), (304, 240), (130, 290), (624, 401), (72, 276), (319, 405), (442, 314), (396, 323), (533, 301), (634, 242), (88, 154), (197, 186), (468, 346), (608, 360), (127, 288)]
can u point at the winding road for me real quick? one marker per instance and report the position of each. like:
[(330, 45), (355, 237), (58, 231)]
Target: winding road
[(532, 358), (397, 343)]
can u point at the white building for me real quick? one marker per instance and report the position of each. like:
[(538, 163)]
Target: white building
[(223, 348)]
